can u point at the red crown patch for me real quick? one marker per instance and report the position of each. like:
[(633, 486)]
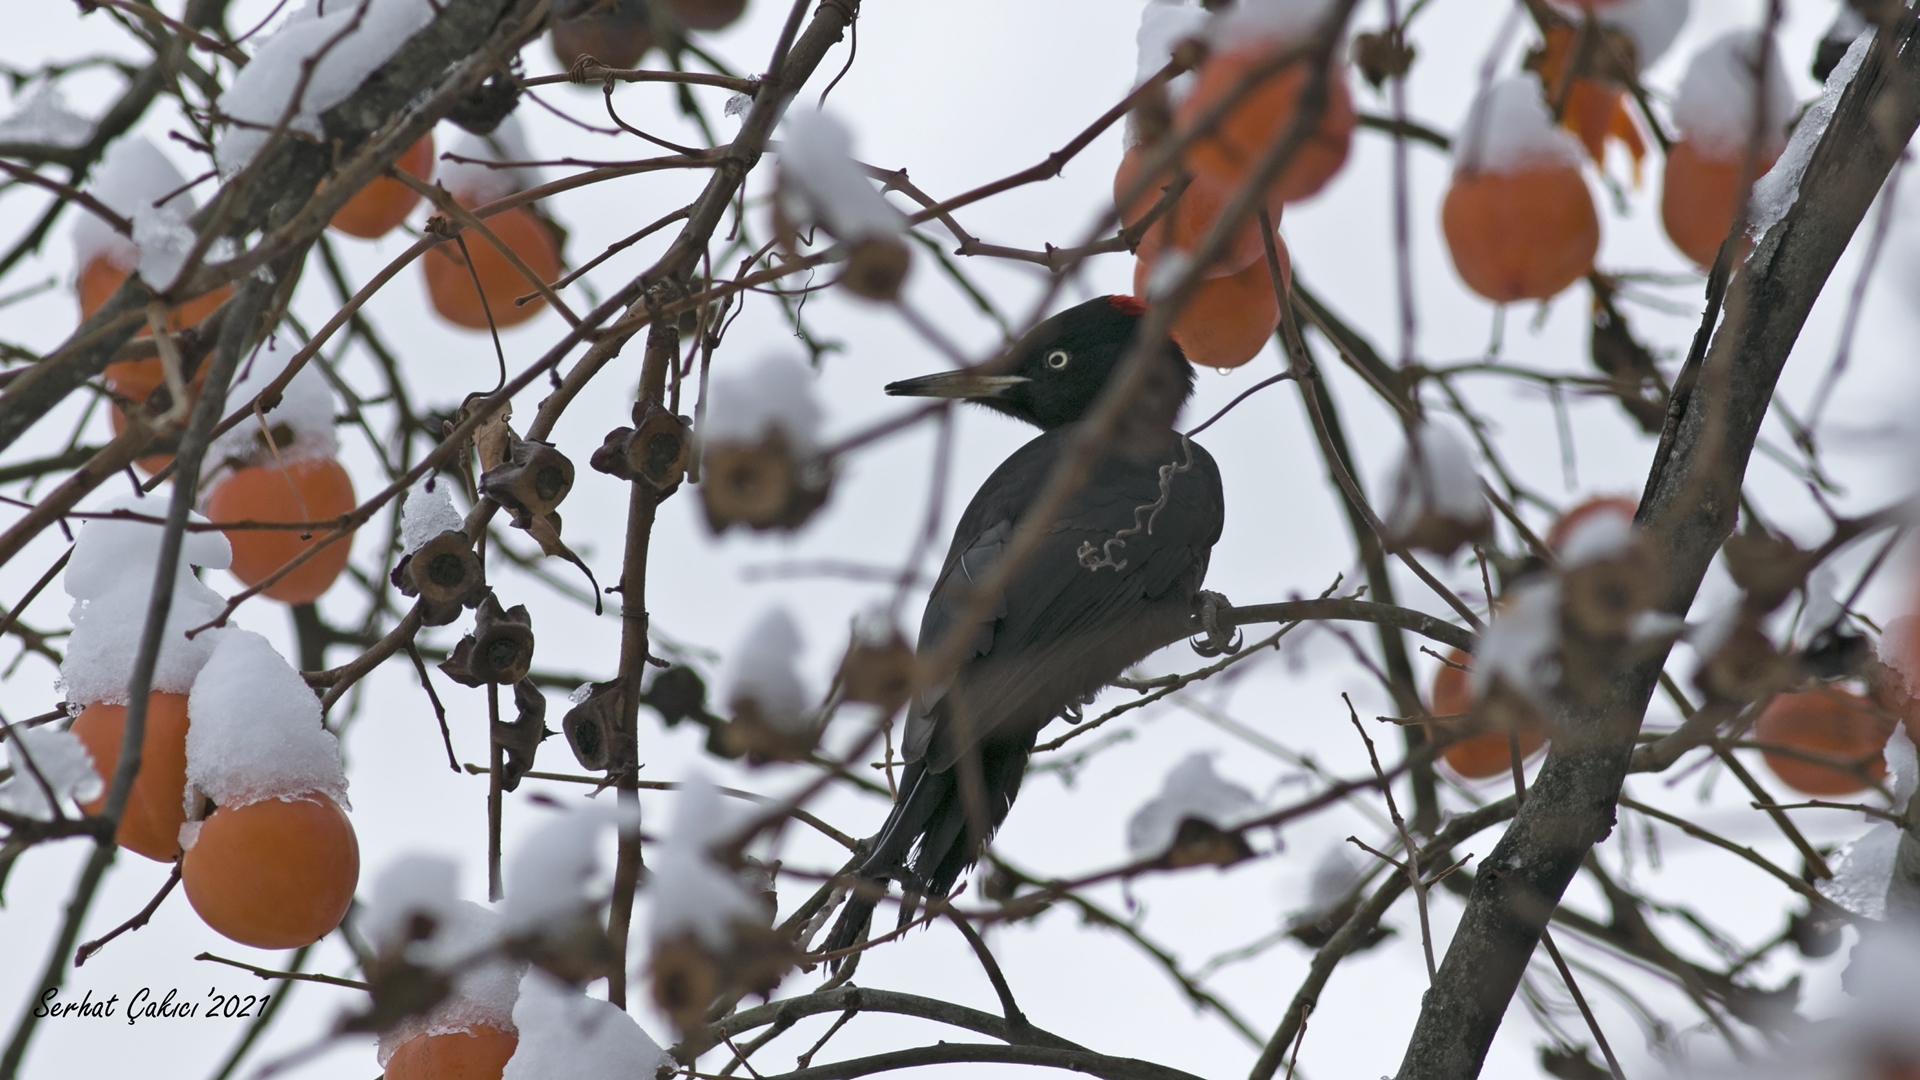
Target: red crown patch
[(1128, 305)]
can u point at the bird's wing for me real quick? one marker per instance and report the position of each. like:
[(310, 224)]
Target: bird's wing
[(1094, 598)]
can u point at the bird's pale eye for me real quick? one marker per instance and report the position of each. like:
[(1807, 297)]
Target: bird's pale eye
[(1057, 359)]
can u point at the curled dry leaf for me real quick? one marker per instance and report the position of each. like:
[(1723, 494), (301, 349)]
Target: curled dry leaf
[(1202, 843), (593, 728), (1768, 567), (530, 482), (521, 738), (1382, 55), (654, 451), (878, 672), (689, 976)]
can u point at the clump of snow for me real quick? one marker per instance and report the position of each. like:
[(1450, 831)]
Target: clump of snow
[(1775, 193), (484, 991), (305, 409), (1252, 22), (1862, 870), (775, 394), (133, 174), (344, 40), (43, 117), (1164, 24), (1598, 538), (1192, 790), (1903, 767), (820, 182), (565, 1033), (1509, 129), (427, 513), (1435, 477), (1652, 25), (692, 894), (547, 878), (51, 755), (762, 676), (1899, 649), (485, 176), (1519, 648), (411, 888), (1715, 107), (256, 731), (1335, 875), (165, 240), (110, 576)]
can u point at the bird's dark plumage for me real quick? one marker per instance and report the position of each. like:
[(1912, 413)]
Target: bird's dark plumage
[(1116, 576)]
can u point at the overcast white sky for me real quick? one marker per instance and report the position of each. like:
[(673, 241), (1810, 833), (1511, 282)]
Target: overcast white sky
[(960, 94)]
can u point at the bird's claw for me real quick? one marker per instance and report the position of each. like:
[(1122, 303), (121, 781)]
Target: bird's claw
[(1218, 640)]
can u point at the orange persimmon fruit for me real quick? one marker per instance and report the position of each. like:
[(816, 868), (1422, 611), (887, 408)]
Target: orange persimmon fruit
[(385, 202), (1828, 723), (1186, 223), (102, 277), (1698, 198), (450, 283), (481, 1052), (156, 804), (1261, 118), (1229, 319), (1488, 754), (273, 874), (1522, 235), (1565, 526), (310, 490)]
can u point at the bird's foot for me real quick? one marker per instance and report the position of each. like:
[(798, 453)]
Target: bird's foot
[(1218, 640)]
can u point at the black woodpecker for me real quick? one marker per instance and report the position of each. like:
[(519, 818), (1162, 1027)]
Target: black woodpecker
[(1117, 576)]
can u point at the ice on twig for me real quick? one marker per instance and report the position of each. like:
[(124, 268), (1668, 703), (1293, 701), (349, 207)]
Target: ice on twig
[(692, 894), (110, 576), (1192, 790), (1775, 193), (257, 732), (427, 513), (1862, 870), (776, 394), (341, 42), (820, 182), (52, 756), (1903, 768), (43, 117), (1715, 107), (1509, 129), (565, 1033), (301, 424)]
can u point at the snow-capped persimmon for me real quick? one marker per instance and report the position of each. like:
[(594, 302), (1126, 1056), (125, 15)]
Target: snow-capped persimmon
[(156, 804), (450, 283), (1187, 222), (385, 202), (1564, 527), (1261, 117), (1715, 112), (617, 34), (1698, 199), (273, 874), (1485, 755), (311, 490), (479, 1053), (1825, 724), (1229, 319), (1521, 236)]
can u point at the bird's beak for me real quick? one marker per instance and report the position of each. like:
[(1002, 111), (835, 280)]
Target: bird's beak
[(969, 385)]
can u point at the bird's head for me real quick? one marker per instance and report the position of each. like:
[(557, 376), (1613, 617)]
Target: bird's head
[(1053, 375)]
